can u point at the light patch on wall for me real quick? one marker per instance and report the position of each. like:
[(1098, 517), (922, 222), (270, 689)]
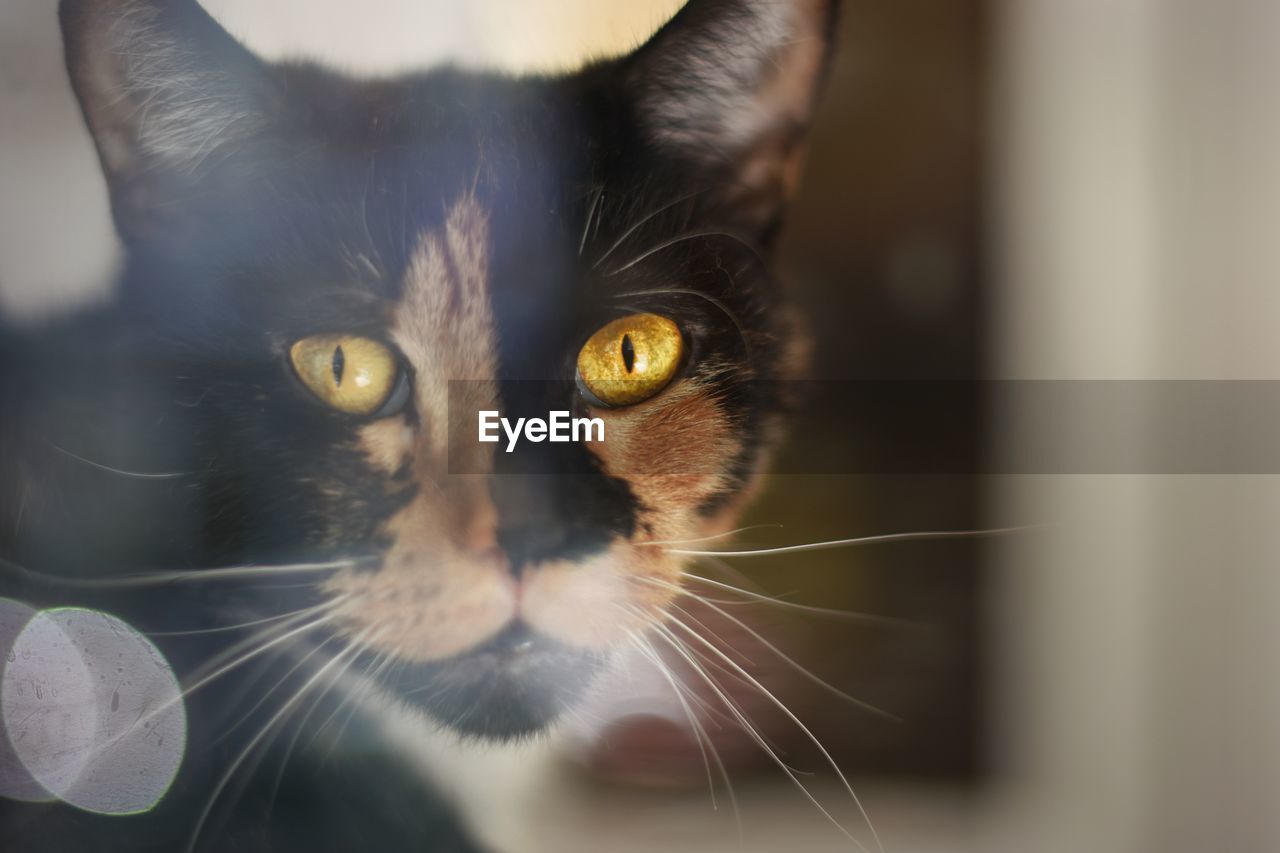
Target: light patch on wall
[(391, 35)]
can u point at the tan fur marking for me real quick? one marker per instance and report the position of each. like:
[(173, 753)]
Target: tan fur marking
[(443, 586), (387, 443), (674, 451)]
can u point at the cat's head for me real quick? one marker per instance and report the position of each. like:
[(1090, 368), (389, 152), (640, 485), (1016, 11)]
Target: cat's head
[(349, 271)]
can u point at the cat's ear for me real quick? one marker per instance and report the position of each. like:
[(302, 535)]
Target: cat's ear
[(731, 85), (167, 95)]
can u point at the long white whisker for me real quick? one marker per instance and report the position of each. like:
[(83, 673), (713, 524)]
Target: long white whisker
[(137, 475), (859, 540), (274, 629), (240, 661), (301, 725), (719, 304), (794, 664), (710, 634), (244, 753), (224, 628), (847, 615), (591, 212), (700, 662), (648, 218), (150, 715), (254, 762), (730, 571), (200, 575), (667, 244), (794, 719), (266, 694), (675, 643), (700, 733), (183, 575), (712, 538), (355, 696)]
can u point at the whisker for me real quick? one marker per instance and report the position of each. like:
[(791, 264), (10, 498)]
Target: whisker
[(248, 656), (702, 663), (301, 725), (714, 714), (254, 763), (275, 629), (181, 575), (724, 535), (679, 647), (700, 733), (224, 628), (591, 212), (794, 664), (200, 575), (355, 696), (794, 719), (646, 219), (858, 540), (151, 714), (280, 682), (710, 634), (706, 297), (829, 612), (730, 571), (667, 244), (137, 475), (244, 753)]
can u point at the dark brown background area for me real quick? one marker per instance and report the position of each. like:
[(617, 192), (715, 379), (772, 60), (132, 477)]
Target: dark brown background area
[(883, 252)]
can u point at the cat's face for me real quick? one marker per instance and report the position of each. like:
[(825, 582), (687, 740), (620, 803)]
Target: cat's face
[(445, 244)]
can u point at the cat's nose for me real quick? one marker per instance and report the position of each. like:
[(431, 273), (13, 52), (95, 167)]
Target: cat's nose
[(530, 529), (530, 543), (538, 520)]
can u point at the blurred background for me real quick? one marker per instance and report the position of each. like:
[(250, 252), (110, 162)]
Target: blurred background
[(1022, 190)]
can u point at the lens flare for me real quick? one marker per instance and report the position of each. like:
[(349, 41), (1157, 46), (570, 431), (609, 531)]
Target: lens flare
[(91, 711), (15, 782)]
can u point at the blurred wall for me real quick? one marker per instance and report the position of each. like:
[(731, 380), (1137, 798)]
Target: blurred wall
[(1136, 237)]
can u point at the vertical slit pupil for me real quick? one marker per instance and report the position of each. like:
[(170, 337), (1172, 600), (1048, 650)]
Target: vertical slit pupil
[(339, 362), (628, 353)]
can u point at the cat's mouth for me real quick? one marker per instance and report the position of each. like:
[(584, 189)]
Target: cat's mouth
[(512, 686)]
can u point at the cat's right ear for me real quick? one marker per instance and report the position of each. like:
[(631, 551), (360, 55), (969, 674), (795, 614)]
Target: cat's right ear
[(169, 97)]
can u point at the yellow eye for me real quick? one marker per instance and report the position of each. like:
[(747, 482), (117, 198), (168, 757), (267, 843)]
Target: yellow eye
[(354, 375), (630, 359)]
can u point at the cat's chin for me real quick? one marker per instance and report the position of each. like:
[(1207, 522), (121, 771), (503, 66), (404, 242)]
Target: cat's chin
[(512, 686)]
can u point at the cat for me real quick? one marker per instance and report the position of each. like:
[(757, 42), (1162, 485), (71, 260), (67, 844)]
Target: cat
[(326, 280)]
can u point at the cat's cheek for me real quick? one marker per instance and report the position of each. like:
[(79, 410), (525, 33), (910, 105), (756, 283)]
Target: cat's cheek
[(425, 610), (600, 602), (675, 454)]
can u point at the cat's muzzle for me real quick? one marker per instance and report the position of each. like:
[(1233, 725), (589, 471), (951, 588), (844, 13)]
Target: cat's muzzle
[(514, 685)]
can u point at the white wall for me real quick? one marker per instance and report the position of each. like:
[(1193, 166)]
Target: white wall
[(1137, 237)]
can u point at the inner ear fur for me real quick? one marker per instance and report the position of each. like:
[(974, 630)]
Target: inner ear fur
[(730, 86), (166, 93)]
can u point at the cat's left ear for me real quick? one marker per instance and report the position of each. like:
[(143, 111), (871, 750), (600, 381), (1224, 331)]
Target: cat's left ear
[(730, 86), (168, 96)]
